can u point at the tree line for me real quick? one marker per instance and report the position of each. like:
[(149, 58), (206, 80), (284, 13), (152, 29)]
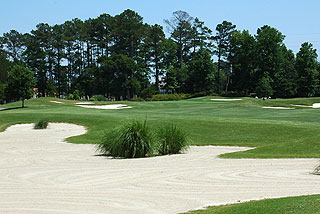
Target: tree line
[(122, 57)]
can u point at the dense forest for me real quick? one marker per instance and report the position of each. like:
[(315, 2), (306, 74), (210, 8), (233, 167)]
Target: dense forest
[(122, 57)]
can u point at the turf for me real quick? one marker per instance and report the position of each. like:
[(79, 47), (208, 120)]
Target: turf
[(274, 133), (290, 205)]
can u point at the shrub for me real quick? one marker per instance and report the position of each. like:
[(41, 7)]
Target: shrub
[(70, 97), (137, 99), (76, 95), (172, 140), (148, 92), (131, 140), (98, 97), (42, 124), (169, 97)]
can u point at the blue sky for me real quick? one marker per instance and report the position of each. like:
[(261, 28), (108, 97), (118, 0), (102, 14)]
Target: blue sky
[(297, 19)]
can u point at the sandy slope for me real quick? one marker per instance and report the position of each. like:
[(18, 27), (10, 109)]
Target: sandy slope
[(40, 174)]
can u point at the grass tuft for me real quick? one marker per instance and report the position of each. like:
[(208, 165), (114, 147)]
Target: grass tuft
[(172, 140), (131, 140), (41, 124)]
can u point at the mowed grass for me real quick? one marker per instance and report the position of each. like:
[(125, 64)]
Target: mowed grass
[(274, 133), (290, 205)]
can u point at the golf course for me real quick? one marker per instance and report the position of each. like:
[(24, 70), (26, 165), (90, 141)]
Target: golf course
[(226, 132)]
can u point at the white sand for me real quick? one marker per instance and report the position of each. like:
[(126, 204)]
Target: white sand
[(271, 107), (304, 106), (56, 102), (112, 106), (41, 175), (226, 99), (84, 103), (316, 105)]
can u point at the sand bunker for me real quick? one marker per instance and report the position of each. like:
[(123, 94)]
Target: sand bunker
[(56, 102), (272, 107), (315, 105), (113, 106), (84, 103), (40, 174), (304, 106), (225, 99)]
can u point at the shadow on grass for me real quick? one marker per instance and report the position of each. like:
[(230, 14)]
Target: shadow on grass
[(12, 108)]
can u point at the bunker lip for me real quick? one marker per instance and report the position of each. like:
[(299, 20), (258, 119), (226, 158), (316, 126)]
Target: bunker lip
[(275, 107), (52, 101), (315, 105), (110, 106), (39, 172), (84, 103)]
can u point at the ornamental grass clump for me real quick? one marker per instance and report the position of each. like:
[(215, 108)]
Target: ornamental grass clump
[(41, 124), (131, 140), (172, 140)]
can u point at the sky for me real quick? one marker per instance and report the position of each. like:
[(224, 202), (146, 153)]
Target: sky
[(298, 20)]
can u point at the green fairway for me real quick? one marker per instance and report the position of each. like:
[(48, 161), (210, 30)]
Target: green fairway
[(291, 205), (275, 133)]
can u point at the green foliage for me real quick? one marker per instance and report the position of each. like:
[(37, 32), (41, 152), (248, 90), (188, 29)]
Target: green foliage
[(70, 97), (137, 99), (41, 124), (202, 72), (76, 95), (4, 68), (243, 60), (51, 88), (285, 82), (147, 93), (169, 97), (131, 140), (222, 38), (98, 97), (2, 94), (20, 83), (306, 66), (264, 88), (172, 140)]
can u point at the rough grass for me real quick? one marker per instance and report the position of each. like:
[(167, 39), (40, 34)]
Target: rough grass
[(131, 140), (290, 205), (172, 140)]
